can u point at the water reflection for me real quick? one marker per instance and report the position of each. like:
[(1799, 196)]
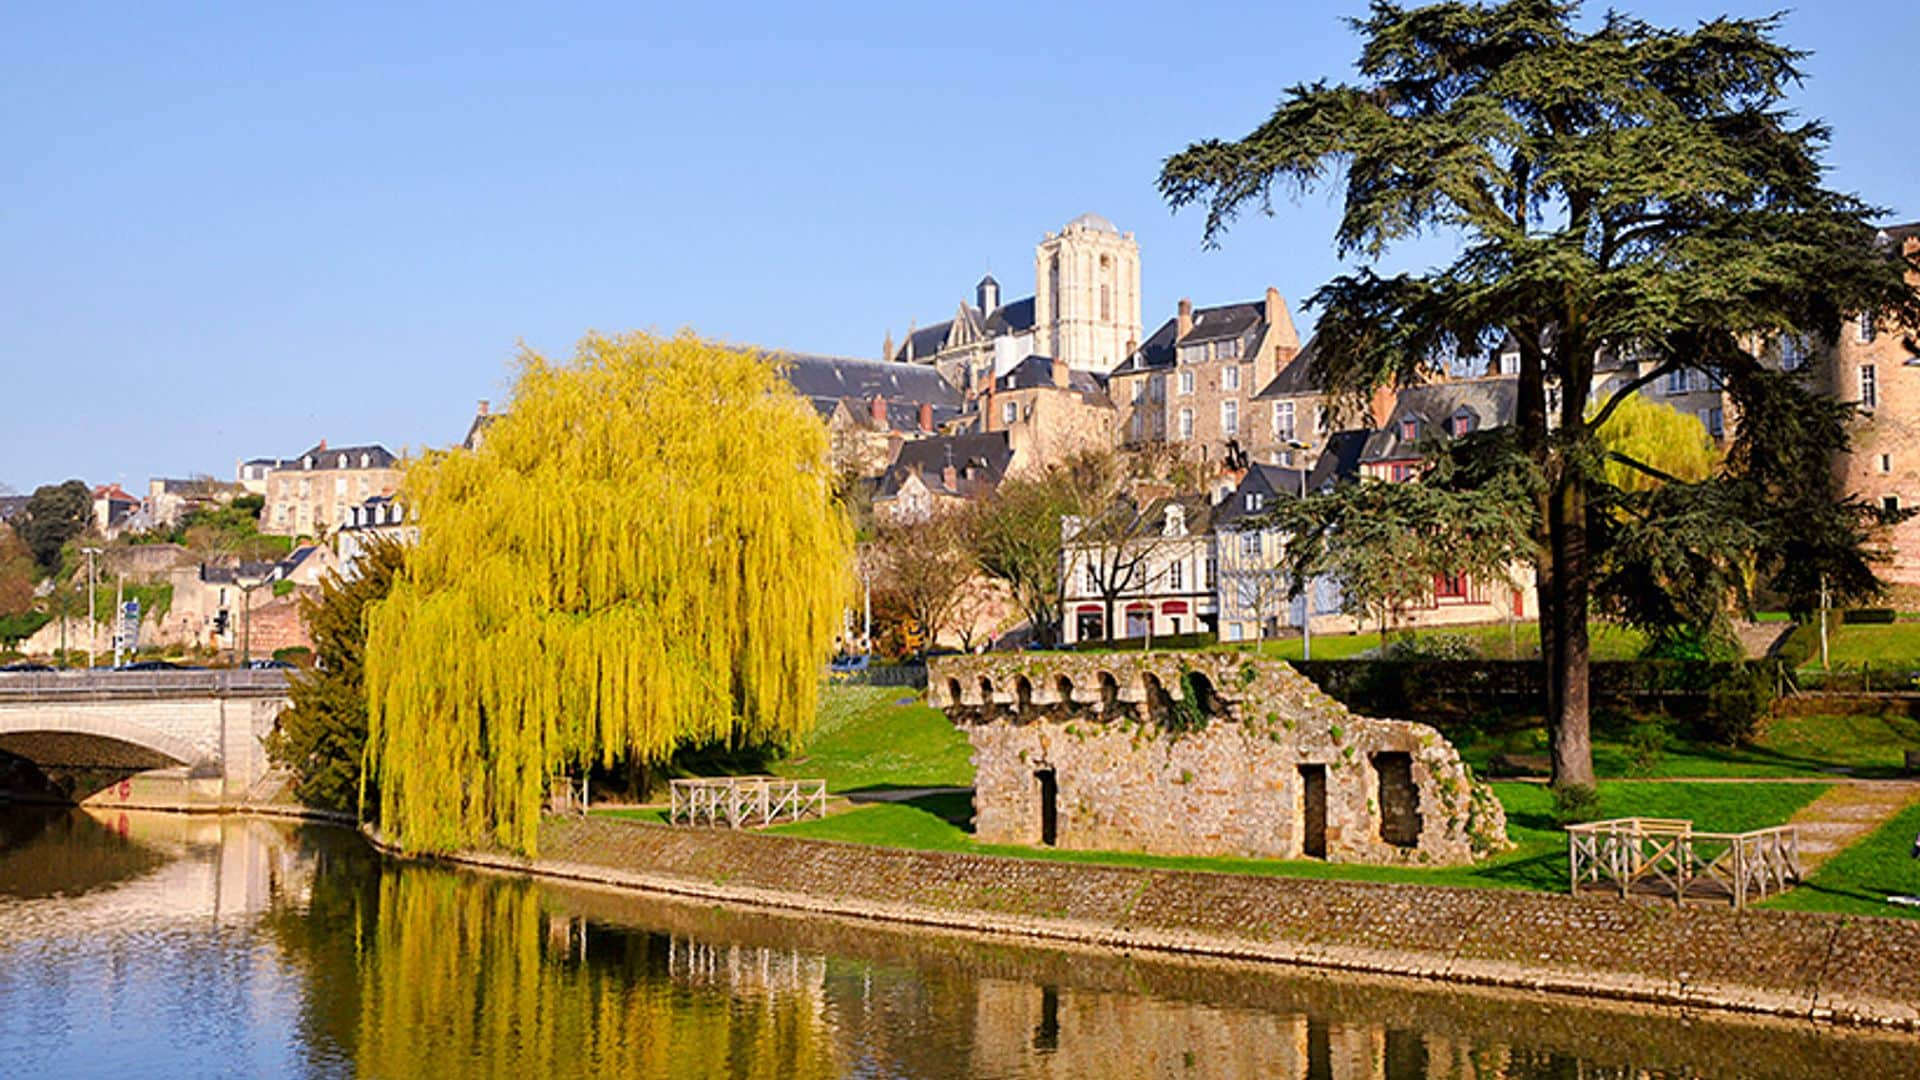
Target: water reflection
[(181, 946)]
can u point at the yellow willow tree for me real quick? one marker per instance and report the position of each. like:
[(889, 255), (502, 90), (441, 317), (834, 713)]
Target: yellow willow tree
[(642, 555)]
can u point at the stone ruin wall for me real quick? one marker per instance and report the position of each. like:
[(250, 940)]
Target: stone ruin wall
[(1140, 763)]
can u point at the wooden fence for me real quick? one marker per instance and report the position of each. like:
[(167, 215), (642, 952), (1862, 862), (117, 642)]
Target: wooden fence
[(737, 801), (1667, 856)]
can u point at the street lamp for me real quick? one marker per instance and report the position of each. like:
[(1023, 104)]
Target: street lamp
[(246, 585)]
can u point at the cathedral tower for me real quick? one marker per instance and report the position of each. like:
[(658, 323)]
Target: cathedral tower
[(1086, 294)]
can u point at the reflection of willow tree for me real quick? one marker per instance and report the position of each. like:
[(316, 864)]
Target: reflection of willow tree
[(644, 555), (416, 971)]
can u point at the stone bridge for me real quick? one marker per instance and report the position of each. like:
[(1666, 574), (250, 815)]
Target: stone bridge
[(174, 739)]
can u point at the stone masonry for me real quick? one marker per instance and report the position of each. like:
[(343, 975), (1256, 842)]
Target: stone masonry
[(1204, 754)]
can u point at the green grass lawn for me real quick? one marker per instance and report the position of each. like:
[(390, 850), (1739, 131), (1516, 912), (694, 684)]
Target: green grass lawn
[(1858, 880), (881, 737), (1883, 645), (1497, 641), (1791, 746), (941, 823)]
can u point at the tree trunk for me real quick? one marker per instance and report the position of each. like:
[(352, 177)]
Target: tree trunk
[(1568, 662)]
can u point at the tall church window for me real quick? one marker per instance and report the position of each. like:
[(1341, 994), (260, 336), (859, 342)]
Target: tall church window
[(1106, 302), (1053, 286)]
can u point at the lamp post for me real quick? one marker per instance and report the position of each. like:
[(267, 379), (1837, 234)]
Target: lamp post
[(93, 625)]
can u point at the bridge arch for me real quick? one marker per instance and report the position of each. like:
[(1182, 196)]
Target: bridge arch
[(27, 732)]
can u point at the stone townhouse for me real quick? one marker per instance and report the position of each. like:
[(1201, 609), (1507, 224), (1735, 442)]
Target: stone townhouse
[(168, 500), (938, 473), (1254, 598), (1085, 310), (313, 494), (1193, 383), (1143, 571), (1048, 410), (381, 517), (113, 509)]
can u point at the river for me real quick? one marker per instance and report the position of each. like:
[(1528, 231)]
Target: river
[(154, 945)]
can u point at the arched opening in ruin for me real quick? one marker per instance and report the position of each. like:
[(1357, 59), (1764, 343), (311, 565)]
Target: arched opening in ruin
[(986, 692), (1022, 692), (1063, 689), (1312, 814), (953, 691), (1109, 693), (1156, 704), (1205, 698)]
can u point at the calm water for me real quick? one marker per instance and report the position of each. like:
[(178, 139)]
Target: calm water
[(135, 945)]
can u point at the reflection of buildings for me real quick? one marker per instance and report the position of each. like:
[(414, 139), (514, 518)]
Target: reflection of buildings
[(193, 867)]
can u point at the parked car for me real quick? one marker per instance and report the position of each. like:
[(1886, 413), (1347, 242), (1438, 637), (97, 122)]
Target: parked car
[(27, 665), (157, 665), (269, 665)]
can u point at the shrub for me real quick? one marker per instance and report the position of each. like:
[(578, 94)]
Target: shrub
[(1864, 615), (1737, 702), (1646, 747), (1434, 647), (1575, 803)]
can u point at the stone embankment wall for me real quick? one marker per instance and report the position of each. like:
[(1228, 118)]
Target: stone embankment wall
[(1829, 968), (1204, 754)]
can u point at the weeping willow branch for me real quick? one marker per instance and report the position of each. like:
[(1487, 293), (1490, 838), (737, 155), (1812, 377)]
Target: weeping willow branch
[(643, 554)]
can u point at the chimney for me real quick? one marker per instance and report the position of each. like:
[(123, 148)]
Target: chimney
[(1280, 331), (1061, 375), (886, 349), (1185, 324), (1380, 408), (878, 412), (323, 444), (926, 417), (483, 406)]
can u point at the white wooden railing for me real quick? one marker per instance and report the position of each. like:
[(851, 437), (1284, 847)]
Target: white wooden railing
[(739, 801)]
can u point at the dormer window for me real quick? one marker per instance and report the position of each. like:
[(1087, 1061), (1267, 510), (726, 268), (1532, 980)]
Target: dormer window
[(1462, 422), (1253, 502), (309, 461), (1409, 428), (365, 459), (340, 462), (1176, 523)]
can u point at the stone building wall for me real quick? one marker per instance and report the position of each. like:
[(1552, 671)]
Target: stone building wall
[(1204, 754)]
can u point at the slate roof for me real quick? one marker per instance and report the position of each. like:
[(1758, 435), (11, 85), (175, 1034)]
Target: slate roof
[(1270, 482), (989, 455), (1491, 402), (1010, 318), (12, 504), (231, 575), (1209, 324), (1297, 377), (826, 381), (1037, 370), (328, 457), (1901, 233)]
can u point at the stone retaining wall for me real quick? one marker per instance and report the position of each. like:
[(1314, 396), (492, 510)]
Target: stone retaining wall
[(1829, 968)]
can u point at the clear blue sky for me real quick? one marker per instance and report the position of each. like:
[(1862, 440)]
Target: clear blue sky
[(230, 231)]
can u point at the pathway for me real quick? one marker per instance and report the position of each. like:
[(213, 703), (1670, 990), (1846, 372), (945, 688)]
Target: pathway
[(1845, 813)]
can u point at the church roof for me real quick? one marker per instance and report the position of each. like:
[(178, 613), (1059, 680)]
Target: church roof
[(1010, 318)]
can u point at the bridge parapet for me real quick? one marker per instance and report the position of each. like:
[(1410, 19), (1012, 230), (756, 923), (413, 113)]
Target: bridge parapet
[(108, 685)]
